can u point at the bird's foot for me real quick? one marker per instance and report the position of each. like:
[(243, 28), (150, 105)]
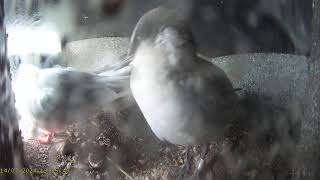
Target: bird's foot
[(45, 137)]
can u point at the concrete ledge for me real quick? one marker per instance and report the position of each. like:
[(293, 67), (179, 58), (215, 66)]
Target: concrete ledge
[(92, 54), (282, 76)]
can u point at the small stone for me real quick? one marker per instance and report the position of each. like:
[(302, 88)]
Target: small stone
[(98, 176), (194, 149), (211, 146), (141, 161), (252, 174), (165, 175), (94, 162), (79, 166), (62, 164), (76, 134)]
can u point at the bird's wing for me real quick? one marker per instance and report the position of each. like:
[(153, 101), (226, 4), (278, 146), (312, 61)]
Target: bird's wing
[(212, 82)]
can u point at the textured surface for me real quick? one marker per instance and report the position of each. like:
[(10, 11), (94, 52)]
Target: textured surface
[(309, 145), (285, 78), (92, 54), (279, 75)]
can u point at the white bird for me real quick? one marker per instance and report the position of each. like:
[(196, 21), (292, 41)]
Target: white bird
[(54, 97), (185, 99)]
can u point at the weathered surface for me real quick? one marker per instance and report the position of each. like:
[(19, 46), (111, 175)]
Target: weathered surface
[(309, 163), (281, 76), (278, 106)]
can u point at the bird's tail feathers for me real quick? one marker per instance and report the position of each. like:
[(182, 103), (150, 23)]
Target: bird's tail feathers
[(125, 71), (117, 66)]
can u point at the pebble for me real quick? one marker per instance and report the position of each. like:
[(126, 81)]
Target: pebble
[(76, 134), (62, 164), (141, 161)]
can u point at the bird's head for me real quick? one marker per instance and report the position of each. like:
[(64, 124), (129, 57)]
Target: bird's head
[(172, 45), (177, 42)]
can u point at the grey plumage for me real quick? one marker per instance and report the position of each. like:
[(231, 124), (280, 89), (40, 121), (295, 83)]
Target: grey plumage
[(150, 23), (185, 99)]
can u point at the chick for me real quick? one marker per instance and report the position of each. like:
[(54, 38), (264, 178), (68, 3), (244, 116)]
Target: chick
[(55, 97)]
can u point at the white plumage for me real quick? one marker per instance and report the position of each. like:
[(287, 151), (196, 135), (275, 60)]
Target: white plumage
[(54, 97)]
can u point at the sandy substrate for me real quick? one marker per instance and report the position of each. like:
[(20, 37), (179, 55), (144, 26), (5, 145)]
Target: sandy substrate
[(102, 149)]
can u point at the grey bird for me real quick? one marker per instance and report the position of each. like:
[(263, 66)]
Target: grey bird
[(149, 24), (54, 97), (185, 99)]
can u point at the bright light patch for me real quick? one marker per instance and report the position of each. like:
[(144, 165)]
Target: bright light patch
[(25, 89), (24, 40)]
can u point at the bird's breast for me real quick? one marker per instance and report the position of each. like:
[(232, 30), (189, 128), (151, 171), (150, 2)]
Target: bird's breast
[(167, 113)]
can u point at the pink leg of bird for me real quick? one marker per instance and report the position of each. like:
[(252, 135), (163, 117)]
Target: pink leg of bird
[(45, 136)]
